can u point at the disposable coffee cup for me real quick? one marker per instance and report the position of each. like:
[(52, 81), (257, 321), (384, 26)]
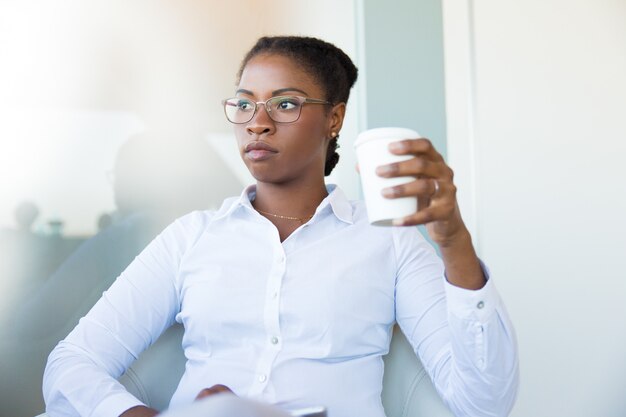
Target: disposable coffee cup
[(372, 151)]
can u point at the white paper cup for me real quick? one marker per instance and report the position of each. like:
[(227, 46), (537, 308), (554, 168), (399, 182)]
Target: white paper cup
[(372, 151)]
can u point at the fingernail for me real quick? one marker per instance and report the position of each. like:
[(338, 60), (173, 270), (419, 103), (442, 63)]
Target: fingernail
[(396, 146), (384, 169), (388, 192), (397, 222)]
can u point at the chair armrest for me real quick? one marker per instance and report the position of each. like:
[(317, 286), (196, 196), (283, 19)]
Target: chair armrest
[(407, 388)]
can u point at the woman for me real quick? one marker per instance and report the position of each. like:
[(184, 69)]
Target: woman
[(286, 293)]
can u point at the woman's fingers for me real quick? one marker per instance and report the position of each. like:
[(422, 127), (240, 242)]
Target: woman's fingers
[(419, 218), (415, 167), (433, 185), (436, 200), (421, 188), (215, 389), (421, 146), (429, 214), (427, 162)]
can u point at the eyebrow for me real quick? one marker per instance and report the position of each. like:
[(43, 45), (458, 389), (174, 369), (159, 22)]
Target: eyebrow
[(274, 93)]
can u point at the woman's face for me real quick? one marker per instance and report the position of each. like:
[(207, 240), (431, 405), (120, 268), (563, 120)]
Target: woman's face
[(295, 151)]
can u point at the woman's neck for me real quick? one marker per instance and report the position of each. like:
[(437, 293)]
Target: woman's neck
[(294, 200)]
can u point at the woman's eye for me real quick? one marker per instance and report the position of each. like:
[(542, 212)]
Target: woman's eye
[(286, 104), (244, 105)]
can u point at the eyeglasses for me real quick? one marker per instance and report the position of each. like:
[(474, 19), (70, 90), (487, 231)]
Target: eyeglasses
[(281, 109)]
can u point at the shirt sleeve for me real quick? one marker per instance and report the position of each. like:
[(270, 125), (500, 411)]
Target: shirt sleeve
[(464, 338), (80, 376)]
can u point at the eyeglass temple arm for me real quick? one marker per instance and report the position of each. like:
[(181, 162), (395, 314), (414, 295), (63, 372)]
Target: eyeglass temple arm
[(316, 101)]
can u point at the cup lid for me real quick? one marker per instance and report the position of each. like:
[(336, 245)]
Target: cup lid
[(399, 133)]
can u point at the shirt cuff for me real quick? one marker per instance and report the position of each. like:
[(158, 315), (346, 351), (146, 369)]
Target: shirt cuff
[(473, 304), (115, 405)]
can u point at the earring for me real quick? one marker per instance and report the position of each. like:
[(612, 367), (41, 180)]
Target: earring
[(333, 134)]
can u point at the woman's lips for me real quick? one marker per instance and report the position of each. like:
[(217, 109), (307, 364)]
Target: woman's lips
[(259, 154), (259, 151)]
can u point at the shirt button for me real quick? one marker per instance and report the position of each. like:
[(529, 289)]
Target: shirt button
[(481, 362), (480, 304), (275, 294), (262, 378), (274, 340)]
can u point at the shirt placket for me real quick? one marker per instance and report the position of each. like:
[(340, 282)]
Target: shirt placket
[(273, 338)]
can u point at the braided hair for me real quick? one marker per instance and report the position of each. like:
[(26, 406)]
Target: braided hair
[(326, 63)]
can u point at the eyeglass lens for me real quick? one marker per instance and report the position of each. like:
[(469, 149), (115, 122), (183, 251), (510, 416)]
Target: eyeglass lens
[(281, 109)]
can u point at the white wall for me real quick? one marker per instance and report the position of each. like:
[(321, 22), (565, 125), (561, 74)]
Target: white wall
[(78, 78), (536, 97)]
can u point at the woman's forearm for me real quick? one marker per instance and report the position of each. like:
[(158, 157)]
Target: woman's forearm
[(462, 266)]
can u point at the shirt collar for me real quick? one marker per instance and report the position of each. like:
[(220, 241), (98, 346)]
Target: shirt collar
[(336, 200), (339, 204)]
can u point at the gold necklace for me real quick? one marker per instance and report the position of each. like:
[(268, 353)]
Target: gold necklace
[(278, 216)]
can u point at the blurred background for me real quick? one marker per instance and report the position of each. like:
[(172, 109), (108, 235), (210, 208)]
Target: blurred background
[(111, 127)]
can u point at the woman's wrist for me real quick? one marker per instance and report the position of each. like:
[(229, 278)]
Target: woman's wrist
[(461, 263)]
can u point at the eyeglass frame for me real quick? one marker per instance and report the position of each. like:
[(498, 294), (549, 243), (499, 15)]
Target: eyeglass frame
[(303, 100)]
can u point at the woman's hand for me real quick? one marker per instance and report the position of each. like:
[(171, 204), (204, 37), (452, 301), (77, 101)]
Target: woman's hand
[(215, 389), (433, 186), (437, 208)]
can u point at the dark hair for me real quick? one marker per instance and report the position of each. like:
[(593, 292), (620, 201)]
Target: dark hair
[(328, 65)]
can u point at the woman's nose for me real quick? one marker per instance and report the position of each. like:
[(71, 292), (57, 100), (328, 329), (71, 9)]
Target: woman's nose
[(261, 122)]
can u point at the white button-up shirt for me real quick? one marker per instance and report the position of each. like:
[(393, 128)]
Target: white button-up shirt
[(300, 322)]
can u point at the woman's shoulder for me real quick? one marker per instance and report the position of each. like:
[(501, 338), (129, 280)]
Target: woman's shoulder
[(205, 216), (195, 218), (198, 221), (189, 227)]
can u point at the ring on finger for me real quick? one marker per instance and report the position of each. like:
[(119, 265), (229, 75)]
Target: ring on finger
[(436, 186)]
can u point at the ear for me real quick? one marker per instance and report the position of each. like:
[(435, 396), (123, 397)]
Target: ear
[(335, 121)]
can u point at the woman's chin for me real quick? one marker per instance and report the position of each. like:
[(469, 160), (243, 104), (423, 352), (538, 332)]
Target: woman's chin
[(263, 176)]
